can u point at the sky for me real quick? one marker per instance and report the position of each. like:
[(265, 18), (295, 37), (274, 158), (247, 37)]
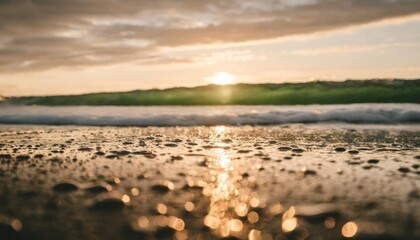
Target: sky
[(50, 47)]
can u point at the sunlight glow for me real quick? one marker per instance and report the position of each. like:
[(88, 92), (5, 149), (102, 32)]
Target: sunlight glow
[(220, 129), (222, 78)]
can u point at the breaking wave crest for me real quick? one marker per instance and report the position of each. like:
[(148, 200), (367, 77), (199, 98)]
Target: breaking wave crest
[(209, 115)]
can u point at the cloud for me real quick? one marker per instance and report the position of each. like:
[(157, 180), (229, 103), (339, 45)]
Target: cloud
[(347, 49), (44, 34), (226, 56)]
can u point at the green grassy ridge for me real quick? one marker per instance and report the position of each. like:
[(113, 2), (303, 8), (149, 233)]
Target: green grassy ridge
[(320, 92)]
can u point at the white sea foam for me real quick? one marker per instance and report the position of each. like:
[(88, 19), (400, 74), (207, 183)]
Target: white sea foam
[(208, 115)]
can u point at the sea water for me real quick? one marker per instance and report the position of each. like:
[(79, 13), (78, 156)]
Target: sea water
[(208, 115)]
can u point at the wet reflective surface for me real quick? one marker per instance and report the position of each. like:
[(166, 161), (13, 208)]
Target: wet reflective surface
[(274, 182)]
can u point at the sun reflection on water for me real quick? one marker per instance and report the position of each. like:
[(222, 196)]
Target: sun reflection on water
[(235, 208), (230, 199), (220, 130), (223, 160)]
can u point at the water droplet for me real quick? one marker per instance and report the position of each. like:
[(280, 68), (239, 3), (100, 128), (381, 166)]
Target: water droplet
[(349, 229)]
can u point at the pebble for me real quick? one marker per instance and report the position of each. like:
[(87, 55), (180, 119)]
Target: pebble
[(108, 204), (146, 154), (100, 153), (85, 149), (5, 156), (298, 150), (353, 152), (160, 188), (121, 153), (195, 187), (176, 158), (171, 145), (354, 162), (99, 189), (404, 169), (284, 149), (308, 172), (65, 187), (373, 161), (340, 149), (244, 151), (22, 157), (56, 160)]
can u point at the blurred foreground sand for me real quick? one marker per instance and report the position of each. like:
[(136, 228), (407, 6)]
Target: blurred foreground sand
[(271, 182)]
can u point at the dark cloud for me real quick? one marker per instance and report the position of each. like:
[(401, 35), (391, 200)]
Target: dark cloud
[(45, 34)]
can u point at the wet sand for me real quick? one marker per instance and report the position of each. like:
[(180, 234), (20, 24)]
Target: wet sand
[(264, 182)]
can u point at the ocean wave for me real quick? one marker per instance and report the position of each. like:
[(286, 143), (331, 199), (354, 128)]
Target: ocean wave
[(209, 115)]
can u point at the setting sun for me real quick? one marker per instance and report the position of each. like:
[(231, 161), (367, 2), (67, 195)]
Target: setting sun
[(222, 78)]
